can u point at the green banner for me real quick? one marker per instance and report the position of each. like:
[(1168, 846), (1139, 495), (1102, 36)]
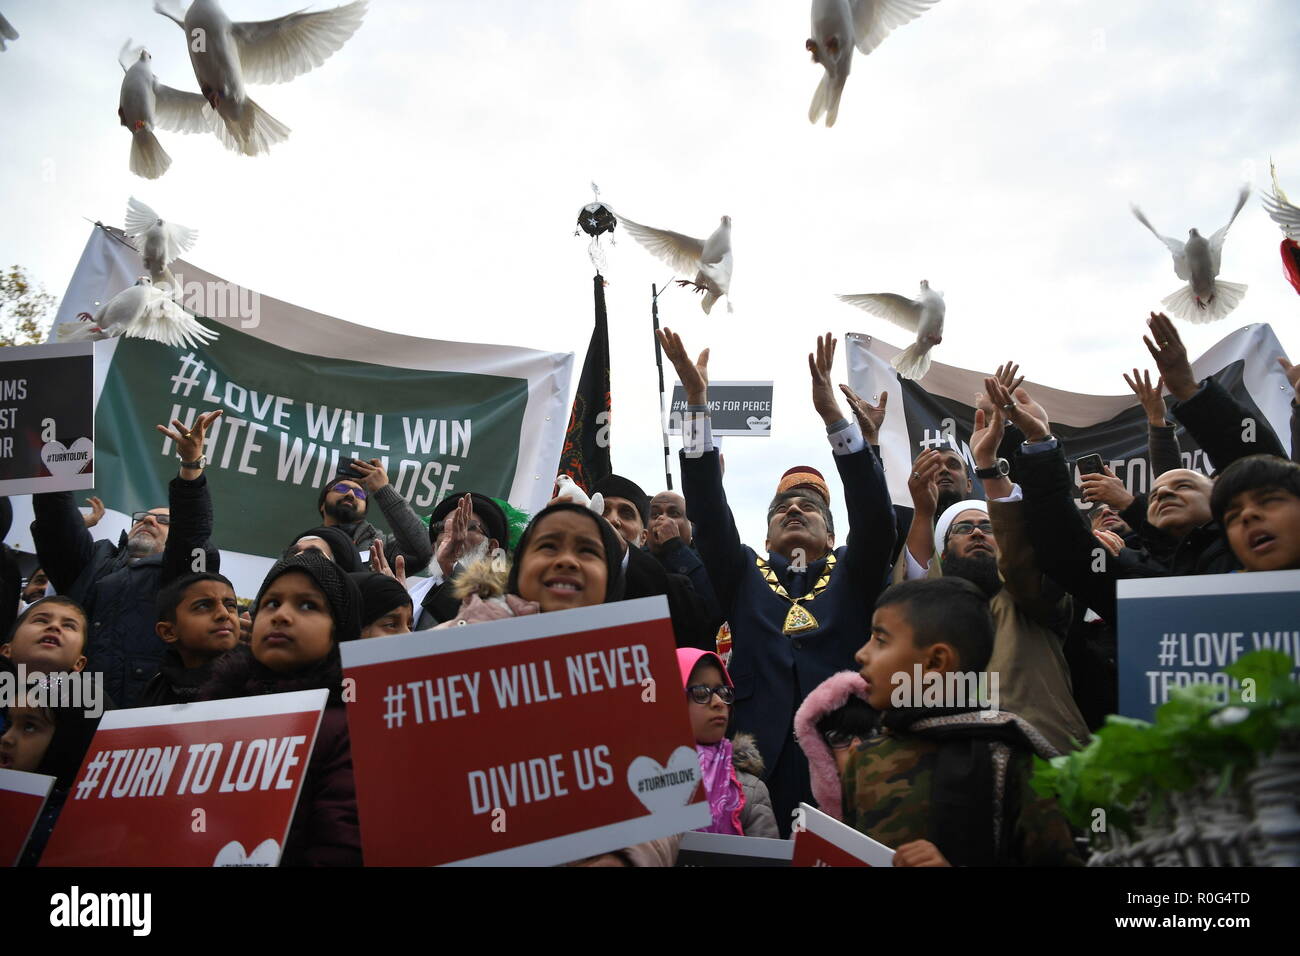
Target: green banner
[(289, 418)]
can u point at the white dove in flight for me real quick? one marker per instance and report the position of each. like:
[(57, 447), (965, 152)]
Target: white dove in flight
[(1280, 209), (709, 259), (145, 312), (1205, 298), (922, 316), (840, 25), (158, 241), (225, 55), (145, 104)]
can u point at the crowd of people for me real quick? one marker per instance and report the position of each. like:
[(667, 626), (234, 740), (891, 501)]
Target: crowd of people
[(790, 655)]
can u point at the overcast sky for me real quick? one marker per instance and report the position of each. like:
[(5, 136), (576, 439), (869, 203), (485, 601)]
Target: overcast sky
[(438, 161)]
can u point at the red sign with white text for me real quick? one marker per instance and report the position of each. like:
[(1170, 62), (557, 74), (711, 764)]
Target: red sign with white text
[(207, 784), (825, 841), (534, 740), (22, 798)]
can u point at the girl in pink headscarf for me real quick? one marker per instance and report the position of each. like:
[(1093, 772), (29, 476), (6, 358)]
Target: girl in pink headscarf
[(731, 769)]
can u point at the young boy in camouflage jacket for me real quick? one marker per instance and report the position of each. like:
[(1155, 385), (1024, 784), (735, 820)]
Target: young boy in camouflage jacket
[(946, 781)]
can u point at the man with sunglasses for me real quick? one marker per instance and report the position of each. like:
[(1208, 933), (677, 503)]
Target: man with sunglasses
[(344, 502), (118, 584)]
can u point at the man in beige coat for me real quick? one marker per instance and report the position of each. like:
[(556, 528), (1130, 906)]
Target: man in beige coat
[(987, 544)]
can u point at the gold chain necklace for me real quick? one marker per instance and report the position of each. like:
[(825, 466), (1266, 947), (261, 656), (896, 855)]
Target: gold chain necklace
[(799, 619)]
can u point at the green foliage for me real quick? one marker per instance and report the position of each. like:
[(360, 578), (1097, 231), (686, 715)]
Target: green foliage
[(26, 311), (1129, 762)]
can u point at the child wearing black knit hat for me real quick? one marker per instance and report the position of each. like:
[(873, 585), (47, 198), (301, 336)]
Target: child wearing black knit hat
[(305, 607)]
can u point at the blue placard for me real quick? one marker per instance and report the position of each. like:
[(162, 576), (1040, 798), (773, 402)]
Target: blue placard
[(1178, 631)]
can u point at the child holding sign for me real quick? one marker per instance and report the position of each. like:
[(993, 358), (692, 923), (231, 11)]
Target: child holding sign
[(49, 740), (306, 606), (198, 620), (731, 767), (946, 786)]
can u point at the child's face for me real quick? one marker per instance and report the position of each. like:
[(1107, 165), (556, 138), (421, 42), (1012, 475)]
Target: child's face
[(207, 622), (708, 721), (24, 744), (396, 621), (292, 628), (889, 651), (1263, 528), (50, 639), (564, 564)]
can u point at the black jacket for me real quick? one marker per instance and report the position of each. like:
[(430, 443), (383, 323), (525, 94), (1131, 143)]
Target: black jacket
[(174, 683), (324, 830), (119, 594), (693, 625)]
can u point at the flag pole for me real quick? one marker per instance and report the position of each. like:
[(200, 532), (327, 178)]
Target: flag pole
[(659, 362)]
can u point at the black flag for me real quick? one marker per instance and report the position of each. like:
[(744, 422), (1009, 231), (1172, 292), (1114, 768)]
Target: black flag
[(585, 458)]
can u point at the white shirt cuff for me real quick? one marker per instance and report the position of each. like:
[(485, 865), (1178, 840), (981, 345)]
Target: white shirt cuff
[(914, 569), (1015, 495), (846, 437), (697, 432)]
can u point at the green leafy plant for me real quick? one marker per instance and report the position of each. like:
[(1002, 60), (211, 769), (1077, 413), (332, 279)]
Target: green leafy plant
[(1132, 763)]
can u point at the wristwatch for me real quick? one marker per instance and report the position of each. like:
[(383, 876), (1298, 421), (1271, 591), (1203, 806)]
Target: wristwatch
[(199, 464), (1000, 469)]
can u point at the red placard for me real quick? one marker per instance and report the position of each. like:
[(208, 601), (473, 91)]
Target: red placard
[(824, 841), (22, 798), (208, 784), (536, 740)]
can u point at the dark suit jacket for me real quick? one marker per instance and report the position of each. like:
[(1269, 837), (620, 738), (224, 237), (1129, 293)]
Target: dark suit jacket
[(774, 672)]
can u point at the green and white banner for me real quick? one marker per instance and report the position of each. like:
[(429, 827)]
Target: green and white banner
[(300, 391)]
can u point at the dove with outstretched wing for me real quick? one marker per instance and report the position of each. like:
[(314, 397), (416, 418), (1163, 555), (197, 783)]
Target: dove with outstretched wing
[(922, 316), (840, 26), (263, 51), (709, 259), (1205, 298)]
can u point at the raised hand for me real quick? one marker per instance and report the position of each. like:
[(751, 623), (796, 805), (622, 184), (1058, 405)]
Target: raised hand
[(823, 392), (870, 417), (1105, 488), (1110, 541), (990, 425), (1148, 395), (189, 444), (1013, 401), (454, 540), (96, 512), (1171, 356), (693, 376), (379, 563), (373, 476), (922, 485)]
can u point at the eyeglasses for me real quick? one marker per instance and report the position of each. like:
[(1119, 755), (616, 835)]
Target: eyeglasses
[(138, 516), (966, 527), (839, 739), (703, 693), (345, 489)]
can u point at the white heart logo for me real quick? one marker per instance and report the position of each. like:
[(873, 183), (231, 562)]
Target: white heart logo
[(64, 462), (662, 788), (759, 424), (232, 854)]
